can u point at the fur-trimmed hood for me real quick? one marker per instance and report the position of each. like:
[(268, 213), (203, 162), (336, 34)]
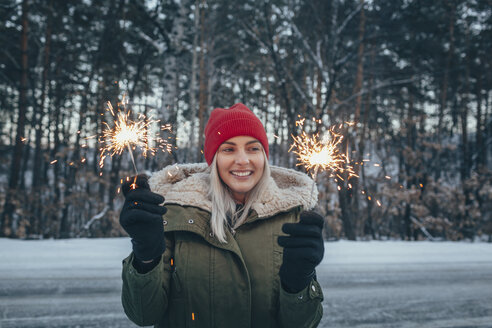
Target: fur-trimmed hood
[(187, 185)]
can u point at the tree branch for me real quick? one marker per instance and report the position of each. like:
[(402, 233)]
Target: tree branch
[(160, 48), (377, 86), (422, 228), (96, 217), (349, 18), (315, 57)]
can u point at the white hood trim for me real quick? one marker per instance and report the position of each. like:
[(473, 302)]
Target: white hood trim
[(187, 185)]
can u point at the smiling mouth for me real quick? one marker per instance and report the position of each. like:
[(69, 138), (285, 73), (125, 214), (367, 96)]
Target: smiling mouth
[(242, 173)]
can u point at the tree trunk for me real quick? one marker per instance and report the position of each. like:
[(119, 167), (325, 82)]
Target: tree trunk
[(9, 206), (202, 109), (279, 70), (349, 196), (480, 148), (444, 87), (332, 53), (466, 161), (195, 154), (319, 81), (411, 121), (359, 169), (407, 222), (36, 177), (347, 214), (55, 156), (360, 64), (333, 41), (487, 129), (37, 180), (97, 118), (445, 81)]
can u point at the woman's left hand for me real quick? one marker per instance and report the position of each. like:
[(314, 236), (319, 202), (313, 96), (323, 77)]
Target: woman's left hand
[(303, 251)]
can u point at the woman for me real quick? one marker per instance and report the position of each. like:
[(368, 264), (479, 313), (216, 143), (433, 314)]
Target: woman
[(232, 247)]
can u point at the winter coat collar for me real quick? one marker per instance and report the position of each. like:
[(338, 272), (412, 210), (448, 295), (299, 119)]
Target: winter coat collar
[(187, 185)]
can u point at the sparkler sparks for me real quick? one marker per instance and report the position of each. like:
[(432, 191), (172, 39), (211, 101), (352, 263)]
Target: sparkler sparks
[(324, 153), (129, 134), (315, 153)]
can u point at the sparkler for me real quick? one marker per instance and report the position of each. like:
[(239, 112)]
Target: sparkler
[(130, 135), (325, 153)]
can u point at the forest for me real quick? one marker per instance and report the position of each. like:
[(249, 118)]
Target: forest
[(414, 79)]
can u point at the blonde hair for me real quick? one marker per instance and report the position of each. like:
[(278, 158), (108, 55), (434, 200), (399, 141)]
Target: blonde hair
[(223, 205)]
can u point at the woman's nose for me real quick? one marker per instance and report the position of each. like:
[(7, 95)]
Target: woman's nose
[(242, 158)]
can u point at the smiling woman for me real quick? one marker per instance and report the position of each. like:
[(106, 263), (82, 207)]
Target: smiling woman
[(239, 173), (233, 244)]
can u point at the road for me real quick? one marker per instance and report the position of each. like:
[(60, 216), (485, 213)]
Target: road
[(417, 295), (360, 290)]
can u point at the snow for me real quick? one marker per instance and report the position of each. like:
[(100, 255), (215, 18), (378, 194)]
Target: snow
[(59, 258), (77, 282), (54, 258), (400, 252)]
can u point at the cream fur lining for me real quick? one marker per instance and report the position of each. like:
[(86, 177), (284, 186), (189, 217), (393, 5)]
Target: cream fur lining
[(187, 184)]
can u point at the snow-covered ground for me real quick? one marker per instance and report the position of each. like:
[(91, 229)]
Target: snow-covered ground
[(76, 283)]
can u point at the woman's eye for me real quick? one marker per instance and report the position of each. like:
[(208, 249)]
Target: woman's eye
[(255, 149), (227, 150)]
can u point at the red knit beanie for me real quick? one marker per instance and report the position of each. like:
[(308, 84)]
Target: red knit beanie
[(227, 123)]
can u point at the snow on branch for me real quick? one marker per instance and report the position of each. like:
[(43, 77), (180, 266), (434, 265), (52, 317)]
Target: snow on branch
[(349, 18), (254, 35), (301, 92), (380, 85), (161, 48), (315, 57), (422, 228), (96, 217)]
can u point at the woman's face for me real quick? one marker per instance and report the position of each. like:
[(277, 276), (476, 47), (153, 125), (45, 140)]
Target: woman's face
[(240, 162)]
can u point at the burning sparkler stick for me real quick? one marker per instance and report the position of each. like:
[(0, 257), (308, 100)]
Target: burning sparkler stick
[(129, 134)]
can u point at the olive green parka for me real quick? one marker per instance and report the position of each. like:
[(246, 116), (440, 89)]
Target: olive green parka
[(201, 282)]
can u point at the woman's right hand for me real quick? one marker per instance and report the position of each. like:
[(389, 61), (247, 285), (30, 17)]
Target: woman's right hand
[(141, 217), (303, 251)]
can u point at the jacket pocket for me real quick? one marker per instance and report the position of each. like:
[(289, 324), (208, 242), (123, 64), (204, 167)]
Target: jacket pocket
[(178, 302), (177, 309), (179, 267), (278, 252), (176, 282), (277, 259)]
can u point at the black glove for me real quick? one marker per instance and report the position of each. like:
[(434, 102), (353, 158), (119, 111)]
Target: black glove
[(303, 251), (141, 217)]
